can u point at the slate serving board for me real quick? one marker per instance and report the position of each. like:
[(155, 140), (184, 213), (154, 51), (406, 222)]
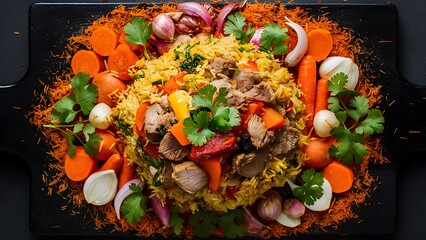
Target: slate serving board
[(51, 25)]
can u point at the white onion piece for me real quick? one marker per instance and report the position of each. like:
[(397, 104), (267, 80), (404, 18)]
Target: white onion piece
[(321, 204), (288, 221), (162, 211), (223, 14), (324, 121), (100, 116), (254, 226), (164, 27), (123, 192), (295, 56), (332, 65), (100, 188), (196, 9), (256, 36)]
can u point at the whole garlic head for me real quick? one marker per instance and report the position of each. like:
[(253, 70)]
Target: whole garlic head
[(332, 65)]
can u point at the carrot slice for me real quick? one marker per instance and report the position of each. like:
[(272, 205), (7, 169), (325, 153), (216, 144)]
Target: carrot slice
[(172, 84), (307, 79), (320, 44), (103, 41), (272, 118), (121, 59), (114, 162), (88, 62), (135, 47), (126, 172), (340, 176), (140, 118), (81, 166), (213, 170), (107, 85), (249, 65), (177, 131), (322, 95)]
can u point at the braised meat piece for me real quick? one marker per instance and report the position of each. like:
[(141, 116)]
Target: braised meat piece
[(190, 177), (246, 79), (171, 149), (166, 174), (250, 164), (286, 139), (157, 122), (261, 92), (259, 134), (221, 67)]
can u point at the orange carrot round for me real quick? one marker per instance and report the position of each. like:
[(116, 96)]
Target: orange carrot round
[(307, 79), (88, 62), (316, 153), (340, 176), (81, 166), (103, 41), (126, 172), (121, 59), (107, 85), (321, 98), (114, 162), (107, 146), (320, 44)]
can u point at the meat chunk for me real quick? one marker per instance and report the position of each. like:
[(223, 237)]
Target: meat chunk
[(171, 149), (260, 92), (259, 134), (221, 83), (190, 177), (221, 66), (157, 122), (246, 79), (250, 164), (286, 139), (166, 174)]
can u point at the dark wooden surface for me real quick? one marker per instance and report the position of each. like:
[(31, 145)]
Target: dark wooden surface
[(50, 25)]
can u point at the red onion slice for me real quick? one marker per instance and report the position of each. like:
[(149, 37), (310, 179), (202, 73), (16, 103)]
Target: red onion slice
[(223, 14), (162, 211), (256, 36), (123, 193), (195, 9)]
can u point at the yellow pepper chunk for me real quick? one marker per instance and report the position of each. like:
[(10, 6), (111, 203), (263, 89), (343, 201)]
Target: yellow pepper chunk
[(180, 101)]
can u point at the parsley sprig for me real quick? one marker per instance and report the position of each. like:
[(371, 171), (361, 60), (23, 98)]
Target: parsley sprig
[(311, 190), (273, 37), (138, 31), (357, 121), (81, 98), (236, 24), (210, 115), (134, 206)]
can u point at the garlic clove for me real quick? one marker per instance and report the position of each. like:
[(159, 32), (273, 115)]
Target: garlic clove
[(164, 27), (295, 56), (100, 116), (100, 188)]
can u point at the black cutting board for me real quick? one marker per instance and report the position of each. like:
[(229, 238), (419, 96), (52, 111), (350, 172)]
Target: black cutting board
[(52, 24)]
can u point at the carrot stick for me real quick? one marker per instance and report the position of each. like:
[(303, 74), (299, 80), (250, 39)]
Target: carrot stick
[(321, 98), (320, 44), (213, 170), (316, 153), (172, 84), (272, 118), (126, 172), (177, 131), (121, 59), (114, 162), (88, 62), (103, 41), (140, 118), (340, 176), (107, 85), (81, 166), (308, 81)]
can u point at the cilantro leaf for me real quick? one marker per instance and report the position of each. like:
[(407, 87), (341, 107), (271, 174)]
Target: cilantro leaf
[(311, 190), (204, 98), (134, 207), (92, 141), (78, 127), (197, 128), (334, 104), (71, 146), (85, 94), (336, 85), (175, 220), (225, 118), (203, 223), (360, 104), (273, 37), (350, 148), (236, 24), (138, 31), (63, 111), (230, 221), (372, 124)]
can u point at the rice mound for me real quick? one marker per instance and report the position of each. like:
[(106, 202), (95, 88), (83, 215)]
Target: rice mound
[(145, 88)]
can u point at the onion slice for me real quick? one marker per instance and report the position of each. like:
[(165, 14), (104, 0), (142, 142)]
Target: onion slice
[(223, 14), (256, 36), (296, 55), (254, 226), (195, 9), (288, 221), (100, 188), (123, 192), (161, 210)]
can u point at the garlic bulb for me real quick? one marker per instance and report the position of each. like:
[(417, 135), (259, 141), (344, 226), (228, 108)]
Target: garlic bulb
[(324, 121), (100, 116), (100, 188), (164, 27), (332, 65)]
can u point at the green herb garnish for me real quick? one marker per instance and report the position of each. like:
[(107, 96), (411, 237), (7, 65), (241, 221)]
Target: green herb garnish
[(134, 206), (236, 24), (273, 37), (138, 31), (210, 116), (364, 121), (311, 190)]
